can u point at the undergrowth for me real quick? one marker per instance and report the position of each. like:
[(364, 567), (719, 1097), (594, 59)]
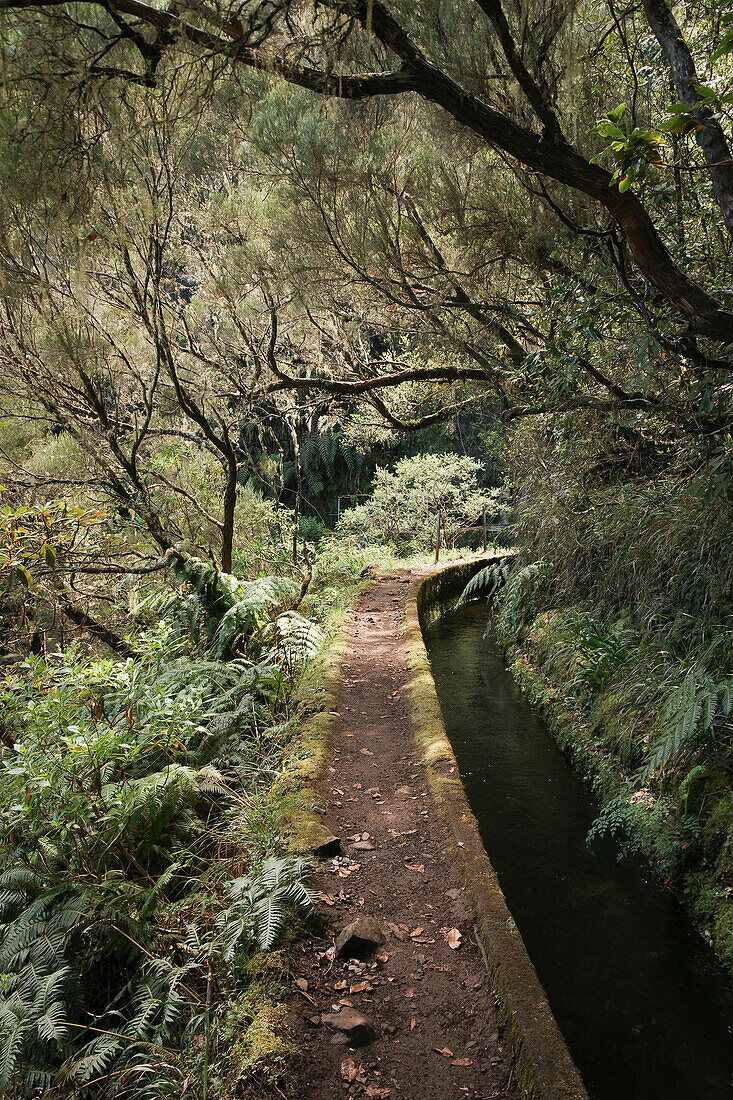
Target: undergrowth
[(141, 861), (647, 719)]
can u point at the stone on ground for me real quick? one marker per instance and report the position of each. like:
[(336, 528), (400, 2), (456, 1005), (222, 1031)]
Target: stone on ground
[(355, 1029), (359, 939)]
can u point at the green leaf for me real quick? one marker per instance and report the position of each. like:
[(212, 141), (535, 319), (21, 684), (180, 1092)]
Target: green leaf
[(725, 47), (23, 576), (49, 554), (609, 129)]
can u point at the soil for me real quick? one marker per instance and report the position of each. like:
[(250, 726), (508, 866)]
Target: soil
[(432, 1006)]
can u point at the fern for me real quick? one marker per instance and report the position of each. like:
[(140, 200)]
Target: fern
[(689, 713), (515, 590), (255, 600), (293, 637), (486, 584), (259, 903)]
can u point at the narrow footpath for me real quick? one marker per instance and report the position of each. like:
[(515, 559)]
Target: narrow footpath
[(413, 1016)]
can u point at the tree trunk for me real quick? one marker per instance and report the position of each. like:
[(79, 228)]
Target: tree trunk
[(713, 141)]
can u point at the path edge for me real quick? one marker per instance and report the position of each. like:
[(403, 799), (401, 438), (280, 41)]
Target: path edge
[(544, 1067), (304, 826)]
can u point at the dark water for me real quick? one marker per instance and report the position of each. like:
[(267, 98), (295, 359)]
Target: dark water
[(644, 1006)]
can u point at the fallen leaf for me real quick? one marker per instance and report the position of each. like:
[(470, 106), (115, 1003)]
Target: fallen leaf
[(361, 987), (382, 958), (349, 1071), (413, 1024), (376, 1093), (366, 752), (445, 1052), (340, 984), (326, 899), (419, 867), (417, 932), (462, 1062), (301, 983), (409, 993), (454, 937)]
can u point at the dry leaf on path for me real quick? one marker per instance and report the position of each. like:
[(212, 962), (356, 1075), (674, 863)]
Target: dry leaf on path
[(302, 984), (366, 752), (376, 1093), (419, 867), (454, 938), (413, 1024), (409, 993), (462, 1062), (445, 1052), (349, 1070)]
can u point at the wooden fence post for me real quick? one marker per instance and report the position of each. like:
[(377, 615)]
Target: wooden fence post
[(484, 530), (437, 539)]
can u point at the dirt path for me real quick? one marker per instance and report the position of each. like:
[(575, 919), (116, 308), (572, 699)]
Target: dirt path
[(433, 1009)]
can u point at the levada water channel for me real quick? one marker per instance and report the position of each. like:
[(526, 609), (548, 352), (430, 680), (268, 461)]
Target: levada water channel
[(644, 1006)]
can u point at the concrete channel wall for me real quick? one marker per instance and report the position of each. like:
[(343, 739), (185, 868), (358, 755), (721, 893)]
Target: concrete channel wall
[(544, 1068)]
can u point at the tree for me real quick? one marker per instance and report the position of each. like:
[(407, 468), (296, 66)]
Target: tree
[(404, 504), (312, 53)]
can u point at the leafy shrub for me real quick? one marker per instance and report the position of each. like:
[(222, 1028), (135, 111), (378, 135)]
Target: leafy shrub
[(402, 510)]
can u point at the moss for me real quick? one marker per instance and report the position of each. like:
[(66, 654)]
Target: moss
[(253, 1034), (254, 1039)]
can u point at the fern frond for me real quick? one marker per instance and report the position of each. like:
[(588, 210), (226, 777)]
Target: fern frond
[(486, 583)]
